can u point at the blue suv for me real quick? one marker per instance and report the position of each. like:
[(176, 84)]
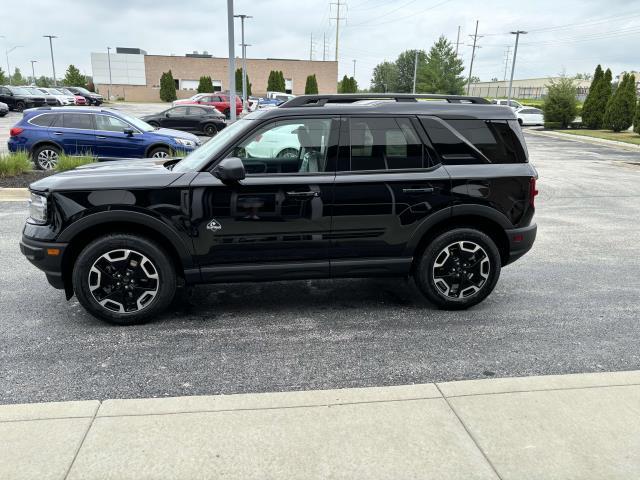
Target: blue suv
[(47, 132)]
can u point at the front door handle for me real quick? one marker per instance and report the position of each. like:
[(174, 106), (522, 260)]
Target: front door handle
[(418, 190), (303, 194), (100, 137), (57, 133)]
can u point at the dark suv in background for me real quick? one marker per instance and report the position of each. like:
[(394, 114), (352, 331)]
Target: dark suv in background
[(91, 98), (19, 98), (322, 186)]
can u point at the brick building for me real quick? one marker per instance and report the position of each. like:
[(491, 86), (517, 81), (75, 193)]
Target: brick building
[(135, 76)]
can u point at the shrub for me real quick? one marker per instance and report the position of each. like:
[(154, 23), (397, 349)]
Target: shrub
[(622, 105), (167, 87), (69, 162), (14, 164), (592, 110), (636, 120), (205, 85), (552, 125), (311, 87), (560, 104)]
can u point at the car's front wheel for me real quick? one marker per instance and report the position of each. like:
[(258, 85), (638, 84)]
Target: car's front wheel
[(19, 106), (458, 269), (160, 152), (124, 279)]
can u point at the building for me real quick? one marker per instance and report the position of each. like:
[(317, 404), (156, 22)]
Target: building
[(135, 75), (524, 88)]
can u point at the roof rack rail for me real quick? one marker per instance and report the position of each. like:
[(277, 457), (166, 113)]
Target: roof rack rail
[(321, 100)]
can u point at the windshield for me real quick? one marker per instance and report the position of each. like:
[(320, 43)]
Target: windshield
[(54, 91), (136, 122), (83, 90), (19, 91), (35, 91), (198, 158), (66, 92)]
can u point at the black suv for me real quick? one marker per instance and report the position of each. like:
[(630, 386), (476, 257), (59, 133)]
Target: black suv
[(19, 98), (322, 186)]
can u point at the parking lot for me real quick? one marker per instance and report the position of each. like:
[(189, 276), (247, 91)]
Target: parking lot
[(571, 305)]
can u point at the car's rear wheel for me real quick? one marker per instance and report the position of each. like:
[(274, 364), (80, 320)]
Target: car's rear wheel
[(45, 157), (160, 152), (288, 153), (458, 269), (19, 106), (124, 279), (210, 129)]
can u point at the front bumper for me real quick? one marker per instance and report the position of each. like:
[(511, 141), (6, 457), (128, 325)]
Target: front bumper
[(520, 241), (43, 255)]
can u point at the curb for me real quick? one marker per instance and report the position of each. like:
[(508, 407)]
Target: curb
[(14, 194)]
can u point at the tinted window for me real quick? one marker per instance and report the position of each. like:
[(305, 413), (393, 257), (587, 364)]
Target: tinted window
[(495, 139), (178, 111), (384, 144), (78, 120), (196, 111), (45, 120), (452, 149), (111, 124)]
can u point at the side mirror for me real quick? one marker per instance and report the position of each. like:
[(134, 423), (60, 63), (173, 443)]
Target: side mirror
[(128, 132), (167, 115), (230, 170)]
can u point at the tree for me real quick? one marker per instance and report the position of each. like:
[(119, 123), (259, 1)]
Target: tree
[(43, 81), (3, 77), (441, 72), (205, 85), (560, 105), (167, 87), (73, 77), (384, 78), (622, 105), (311, 87), (239, 82), (636, 120), (276, 82), (583, 76), (592, 111), (17, 78), (281, 82), (347, 85), (405, 64)]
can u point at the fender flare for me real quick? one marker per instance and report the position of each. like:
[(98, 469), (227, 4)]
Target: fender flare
[(44, 142), (156, 145)]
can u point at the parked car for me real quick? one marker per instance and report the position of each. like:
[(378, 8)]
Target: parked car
[(189, 118), (90, 97), (79, 99), (4, 109), (283, 97), (47, 132), (503, 101), (18, 98), (443, 192), (191, 99), (266, 103), (219, 100), (48, 98), (530, 116), (62, 98)]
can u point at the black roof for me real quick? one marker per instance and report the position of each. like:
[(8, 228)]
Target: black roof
[(444, 106)]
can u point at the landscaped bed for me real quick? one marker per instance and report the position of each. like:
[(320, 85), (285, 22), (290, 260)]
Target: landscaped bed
[(16, 169), (626, 137)]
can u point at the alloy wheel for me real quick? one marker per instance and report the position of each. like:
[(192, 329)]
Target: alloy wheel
[(160, 154), (461, 269), (47, 159), (124, 281)]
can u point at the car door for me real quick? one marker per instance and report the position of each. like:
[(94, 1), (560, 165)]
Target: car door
[(117, 138), (276, 222), (176, 118), (387, 184), (75, 132), (195, 117)]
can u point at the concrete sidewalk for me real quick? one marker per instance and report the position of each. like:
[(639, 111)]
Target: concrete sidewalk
[(583, 426)]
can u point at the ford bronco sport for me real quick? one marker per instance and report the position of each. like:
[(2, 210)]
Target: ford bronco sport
[(434, 187)]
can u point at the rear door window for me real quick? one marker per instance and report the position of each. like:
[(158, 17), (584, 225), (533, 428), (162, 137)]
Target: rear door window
[(83, 121)]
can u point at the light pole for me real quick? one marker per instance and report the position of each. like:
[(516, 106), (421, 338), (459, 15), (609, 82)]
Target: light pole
[(415, 72), (110, 83), (33, 71), (232, 62), (244, 60), (8, 51), (513, 66), (53, 64)]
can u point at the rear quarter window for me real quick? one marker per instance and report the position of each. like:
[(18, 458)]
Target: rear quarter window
[(45, 120)]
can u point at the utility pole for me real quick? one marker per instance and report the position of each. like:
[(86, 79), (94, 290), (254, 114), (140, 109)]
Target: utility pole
[(458, 41), (337, 19), (324, 46), (513, 66), (244, 61), (415, 71), (506, 63), (33, 71), (354, 68), (311, 48), (232, 62), (110, 81), (473, 55), (53, 64)]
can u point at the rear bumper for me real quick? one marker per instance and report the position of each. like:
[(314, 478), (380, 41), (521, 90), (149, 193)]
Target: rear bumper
[(43, 256), (520, 241)]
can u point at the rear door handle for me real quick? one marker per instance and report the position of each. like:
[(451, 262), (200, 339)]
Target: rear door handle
[(418, 190), (303, 194), (100, 137)]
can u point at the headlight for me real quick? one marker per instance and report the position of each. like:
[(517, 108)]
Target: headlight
[(38, 209), (186, 143)]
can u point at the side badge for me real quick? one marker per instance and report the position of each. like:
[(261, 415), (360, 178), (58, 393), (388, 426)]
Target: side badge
[(213, 225)]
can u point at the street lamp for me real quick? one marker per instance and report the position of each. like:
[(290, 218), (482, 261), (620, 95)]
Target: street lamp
[(244, 60), (33, 72), (7, 52), (110, 83), (232, 63), (53, 64), (513, 66)]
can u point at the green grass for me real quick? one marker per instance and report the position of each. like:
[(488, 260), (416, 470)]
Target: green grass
[(626, 137), (69, 162), (13, 164)]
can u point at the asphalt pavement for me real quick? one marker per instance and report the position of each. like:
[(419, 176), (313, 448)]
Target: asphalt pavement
[(572, 305)]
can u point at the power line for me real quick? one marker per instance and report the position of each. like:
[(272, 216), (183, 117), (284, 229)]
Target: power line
[(366, 25)]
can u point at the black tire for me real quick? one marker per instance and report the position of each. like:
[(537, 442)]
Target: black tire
[(45, 157), (210, 129), (159, 152), (142, 251), (288, 153), (520, 122), (433, 281), (19, 107)]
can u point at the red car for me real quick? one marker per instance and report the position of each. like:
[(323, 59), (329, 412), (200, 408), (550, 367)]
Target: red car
[(80, 100), (218, 100)]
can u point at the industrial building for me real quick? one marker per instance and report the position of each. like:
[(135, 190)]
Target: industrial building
[(135, 75), (523, 88)]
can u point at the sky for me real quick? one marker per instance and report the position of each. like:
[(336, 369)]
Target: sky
[(569, 36)]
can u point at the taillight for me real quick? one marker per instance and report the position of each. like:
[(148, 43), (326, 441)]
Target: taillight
[(15, 131), (533, 191)]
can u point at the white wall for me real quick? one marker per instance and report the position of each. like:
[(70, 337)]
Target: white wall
[(126, 69)]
